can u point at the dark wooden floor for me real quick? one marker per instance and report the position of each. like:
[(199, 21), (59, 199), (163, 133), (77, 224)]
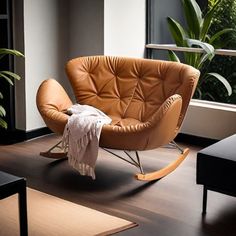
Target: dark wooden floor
[(168, 207)]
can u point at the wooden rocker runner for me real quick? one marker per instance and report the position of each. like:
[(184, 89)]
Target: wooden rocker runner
[(146, 99)]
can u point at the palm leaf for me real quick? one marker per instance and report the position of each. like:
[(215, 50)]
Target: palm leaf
[(209, 52), (222, 80), (3, 123), (176, 31), (193, 15), (208, 48), (198, 93), (218, 34), (12, 74), (206, 23), (5, 51), (2, 111), (201, 61), (6, 78), (172, 56)]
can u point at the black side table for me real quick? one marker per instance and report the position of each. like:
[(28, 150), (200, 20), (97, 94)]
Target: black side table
[(216, 168), (9, 185)]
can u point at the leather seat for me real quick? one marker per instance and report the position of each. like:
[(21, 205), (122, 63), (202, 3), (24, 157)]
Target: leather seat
[(146, 99)]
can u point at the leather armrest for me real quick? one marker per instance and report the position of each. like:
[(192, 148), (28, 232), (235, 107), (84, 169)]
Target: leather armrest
[(164, 121), (52, 102), (174, 100)]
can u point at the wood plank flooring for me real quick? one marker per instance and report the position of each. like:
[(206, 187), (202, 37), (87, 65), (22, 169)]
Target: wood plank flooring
[(168, 207)]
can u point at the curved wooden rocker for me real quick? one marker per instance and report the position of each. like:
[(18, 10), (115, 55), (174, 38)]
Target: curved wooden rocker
[(59, 154), (164, 171), (151, 176), (146, 99)]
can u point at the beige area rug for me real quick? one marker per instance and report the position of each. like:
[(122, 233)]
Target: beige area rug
[(49, 216)]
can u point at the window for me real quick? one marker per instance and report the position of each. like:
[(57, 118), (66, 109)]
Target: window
[(159, 37)]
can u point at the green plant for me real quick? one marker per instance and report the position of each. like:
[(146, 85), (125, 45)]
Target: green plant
[(197, 35), (225, 17), (9, 77)]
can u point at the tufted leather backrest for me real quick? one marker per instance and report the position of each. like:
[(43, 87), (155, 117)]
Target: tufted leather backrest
[(128, 87)]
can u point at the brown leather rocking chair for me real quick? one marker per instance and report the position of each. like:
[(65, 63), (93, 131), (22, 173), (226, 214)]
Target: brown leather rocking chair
[(146, 99)]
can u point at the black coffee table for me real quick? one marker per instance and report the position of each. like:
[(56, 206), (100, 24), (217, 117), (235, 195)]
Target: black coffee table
[(9, 185), (216, 168)]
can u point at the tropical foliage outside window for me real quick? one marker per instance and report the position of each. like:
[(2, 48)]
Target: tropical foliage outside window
[(200, 32), (225, 17)]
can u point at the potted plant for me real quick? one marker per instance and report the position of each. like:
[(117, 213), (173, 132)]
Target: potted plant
[(196, 34), (9, 77)]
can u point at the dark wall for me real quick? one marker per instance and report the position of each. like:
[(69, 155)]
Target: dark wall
[(157, 27)]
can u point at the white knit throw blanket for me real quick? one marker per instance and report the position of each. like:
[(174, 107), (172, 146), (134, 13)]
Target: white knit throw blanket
[(81, 137)]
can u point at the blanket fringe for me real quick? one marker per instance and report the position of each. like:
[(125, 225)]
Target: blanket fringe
[(82, 168)]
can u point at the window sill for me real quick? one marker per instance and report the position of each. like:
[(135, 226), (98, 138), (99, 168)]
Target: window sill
[(173, 47), (213, 105)]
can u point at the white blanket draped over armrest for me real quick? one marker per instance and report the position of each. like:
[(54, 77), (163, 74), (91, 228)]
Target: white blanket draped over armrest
[(81, 137)]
